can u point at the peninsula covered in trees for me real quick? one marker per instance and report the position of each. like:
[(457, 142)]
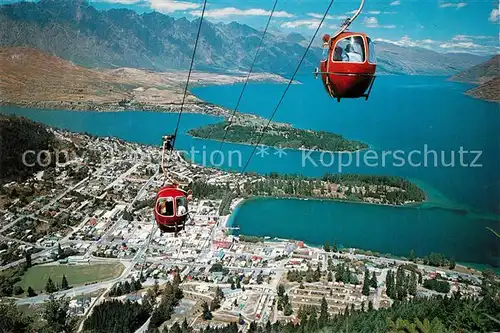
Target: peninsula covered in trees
[(249, 130), (391, 190)]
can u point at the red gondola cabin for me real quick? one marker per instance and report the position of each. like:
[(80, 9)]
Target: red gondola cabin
[(171, 208), (349, 69)]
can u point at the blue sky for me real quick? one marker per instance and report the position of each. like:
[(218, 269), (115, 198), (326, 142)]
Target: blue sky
[(441, 25)]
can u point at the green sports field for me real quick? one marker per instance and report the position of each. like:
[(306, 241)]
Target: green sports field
[(37, 276)]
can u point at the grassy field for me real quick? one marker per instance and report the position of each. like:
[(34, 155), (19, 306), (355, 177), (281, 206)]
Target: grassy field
[(37, 276)]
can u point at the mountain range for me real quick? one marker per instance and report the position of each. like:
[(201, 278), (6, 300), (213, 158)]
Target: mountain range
[(487, 76), (480, 73), (76, 31)]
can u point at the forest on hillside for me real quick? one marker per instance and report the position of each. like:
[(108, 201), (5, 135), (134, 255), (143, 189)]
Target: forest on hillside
[(387, 189), (17, 136), (437, 314)]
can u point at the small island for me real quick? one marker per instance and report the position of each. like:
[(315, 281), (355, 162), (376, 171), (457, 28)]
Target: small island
[(248, 132)]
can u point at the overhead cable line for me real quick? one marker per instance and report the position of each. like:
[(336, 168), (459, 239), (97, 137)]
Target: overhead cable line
[(224, 204), (190, 69), (153, 230), (248, 75), (287, 87)]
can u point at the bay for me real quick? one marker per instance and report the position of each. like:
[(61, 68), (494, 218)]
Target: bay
[(403, 113)]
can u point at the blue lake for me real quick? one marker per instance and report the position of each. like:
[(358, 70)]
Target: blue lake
[(384, 229), (403, 113), (422, 114)]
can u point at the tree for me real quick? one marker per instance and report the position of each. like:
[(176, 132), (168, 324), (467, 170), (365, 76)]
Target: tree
[(435, 259), (156, 288), (452, 263), (339, 272), (176, 328), (329, 276), (312, 323), (56, 314), (149, 301), (335, 247), (389, 283), (412, 288), (215, 304), (207, 315), (411, 257), (135, 285), (317, 274), (60, 251), (253, 327), (64, 283), (50, 287), (268, 326), (373, 281), (185, 326), (400, 284), (126, 287), (288, 309), (330, 264), (437, 285), (28, 259), (31, 292), (13, 320), (370, 306), (18, 290), (326, 246), (238, 283), (406, 285), (323, 314), (366, 283), (281, 290), (232, 285), (346, 277), (219, 293), (436, 326)]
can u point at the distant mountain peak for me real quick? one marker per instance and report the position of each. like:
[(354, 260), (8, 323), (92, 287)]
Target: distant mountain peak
[(295, 36), (76, 31)]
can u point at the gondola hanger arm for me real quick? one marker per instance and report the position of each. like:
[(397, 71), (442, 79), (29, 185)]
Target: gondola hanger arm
[(347, 22)]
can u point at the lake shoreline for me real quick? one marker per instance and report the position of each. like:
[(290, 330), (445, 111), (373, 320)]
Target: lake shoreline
[(240, 201), (329, 220), (284, 148), (192, 108), (425, 204), (398, 124)]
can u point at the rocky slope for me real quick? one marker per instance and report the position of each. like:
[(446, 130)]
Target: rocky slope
[(480, 73), (487, 76), (29, 77), (489, 91)]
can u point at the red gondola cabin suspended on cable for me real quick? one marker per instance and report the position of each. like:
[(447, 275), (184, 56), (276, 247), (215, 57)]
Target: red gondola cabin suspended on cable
[(348, 69), (171, 203), (171, 208)]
